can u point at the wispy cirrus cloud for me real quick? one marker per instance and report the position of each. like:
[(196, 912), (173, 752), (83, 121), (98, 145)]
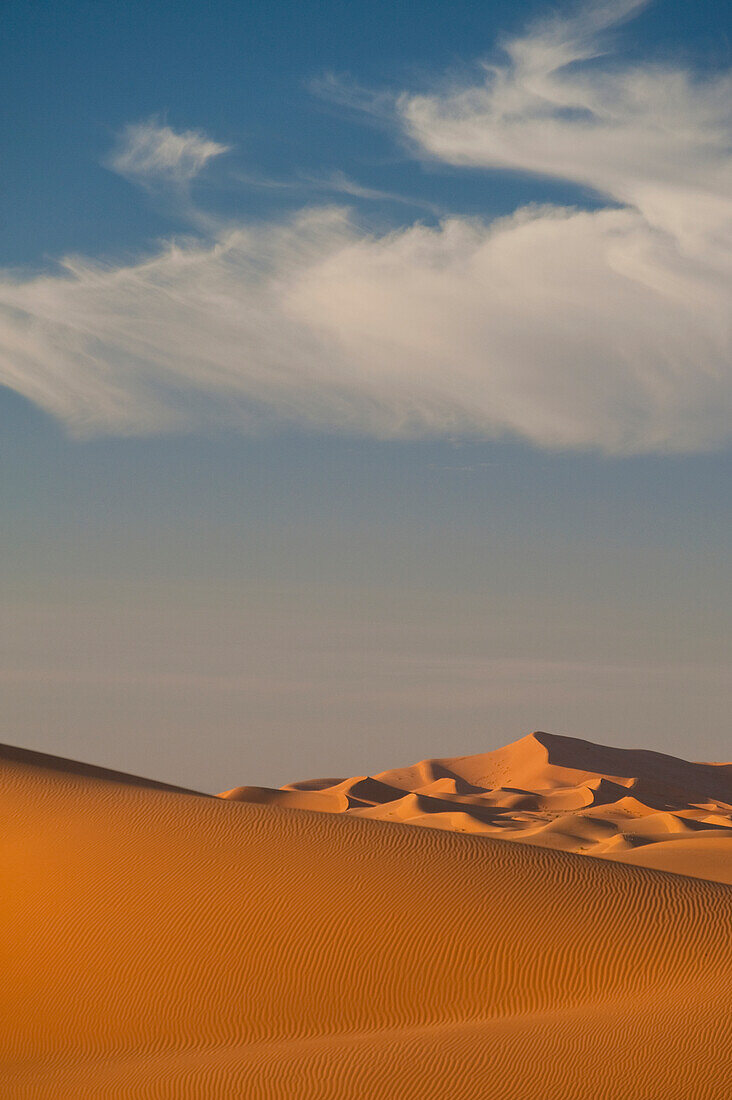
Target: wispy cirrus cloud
[(606, 328), (654, 139), (338, 183), (150, 153)]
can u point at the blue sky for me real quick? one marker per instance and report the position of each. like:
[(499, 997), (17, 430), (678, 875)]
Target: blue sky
[(312, 464), (74, 75)]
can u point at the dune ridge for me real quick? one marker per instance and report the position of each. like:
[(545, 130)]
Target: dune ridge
[(43, 763), (631, 805), (160, 945)]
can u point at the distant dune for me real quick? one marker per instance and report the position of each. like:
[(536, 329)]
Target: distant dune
[(158, 944), (621, 804)]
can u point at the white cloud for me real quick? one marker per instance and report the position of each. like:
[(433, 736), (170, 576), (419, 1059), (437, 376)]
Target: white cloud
[(337, 183), (652, 138), (149, 152), (607, 329)]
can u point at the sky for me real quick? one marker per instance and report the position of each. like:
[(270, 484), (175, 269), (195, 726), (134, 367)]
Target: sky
[(365, 382)]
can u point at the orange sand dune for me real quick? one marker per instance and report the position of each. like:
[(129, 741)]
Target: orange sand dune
[(630, 805), (162, 945)]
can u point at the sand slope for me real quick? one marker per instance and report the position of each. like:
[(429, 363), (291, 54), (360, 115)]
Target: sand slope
[(630, 805), (158, 944)]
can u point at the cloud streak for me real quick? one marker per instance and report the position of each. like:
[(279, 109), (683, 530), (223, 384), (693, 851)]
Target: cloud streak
[(604, 329), (150, 153)]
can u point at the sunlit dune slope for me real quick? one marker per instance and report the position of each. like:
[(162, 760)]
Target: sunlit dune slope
[(163, 945), (11, 754), (630, 805)]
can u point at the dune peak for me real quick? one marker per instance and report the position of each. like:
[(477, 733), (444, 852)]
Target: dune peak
[(548, 789)]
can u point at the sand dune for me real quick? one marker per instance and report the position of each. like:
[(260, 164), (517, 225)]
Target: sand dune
[(162, 945), (622, 804)]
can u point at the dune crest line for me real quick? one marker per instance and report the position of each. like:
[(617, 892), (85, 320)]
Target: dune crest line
[(630, 805)]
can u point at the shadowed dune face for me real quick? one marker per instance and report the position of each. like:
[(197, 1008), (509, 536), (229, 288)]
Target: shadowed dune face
[(559, 792), (161, 945)]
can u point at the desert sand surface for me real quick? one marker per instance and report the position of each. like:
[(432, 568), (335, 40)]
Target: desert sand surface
[(630, 805), (159, 944)]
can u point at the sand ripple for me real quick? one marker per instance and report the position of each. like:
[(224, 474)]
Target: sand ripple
[(630, 805), (161, 945)]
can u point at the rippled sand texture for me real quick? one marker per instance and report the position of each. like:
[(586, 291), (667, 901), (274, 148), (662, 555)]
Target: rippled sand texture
[(164, 945), (630, 805)]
